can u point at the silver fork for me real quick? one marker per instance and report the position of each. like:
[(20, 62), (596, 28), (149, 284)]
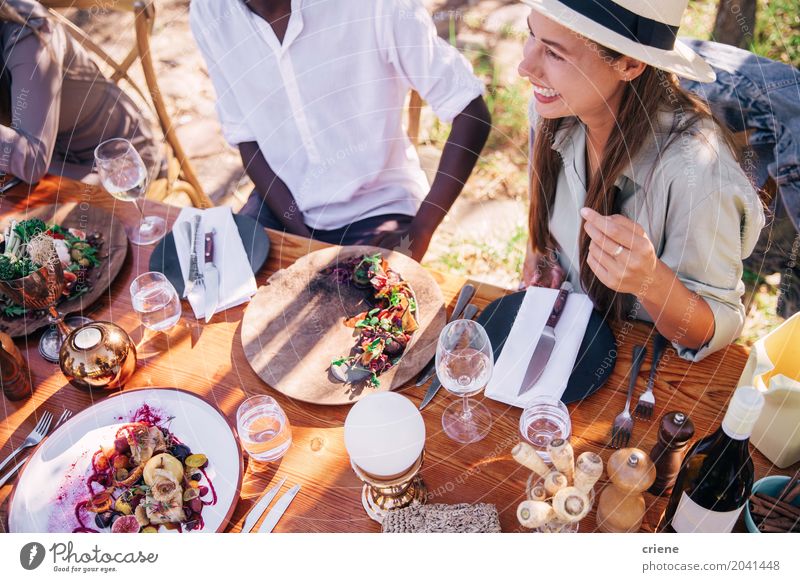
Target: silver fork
[(623, 423), (647, 401), (195, 269), (33, 439), (64, 418)]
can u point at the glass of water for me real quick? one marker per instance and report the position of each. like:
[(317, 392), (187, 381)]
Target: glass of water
[(124, 176), (544, 419), (264, 429), (464, 365), (155, 301)]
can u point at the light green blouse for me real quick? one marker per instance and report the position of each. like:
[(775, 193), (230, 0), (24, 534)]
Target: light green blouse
[(695, 203)]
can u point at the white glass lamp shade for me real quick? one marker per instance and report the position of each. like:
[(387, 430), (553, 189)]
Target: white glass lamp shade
[(384, 434)]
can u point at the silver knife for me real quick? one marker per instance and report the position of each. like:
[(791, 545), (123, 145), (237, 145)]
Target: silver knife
[(210, 278), (541, 354), (464, 297), (260, 507), (469, 313), (276, 512)]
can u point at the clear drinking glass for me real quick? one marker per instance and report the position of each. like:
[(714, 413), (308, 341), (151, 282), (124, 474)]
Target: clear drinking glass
[(155, 301), (543, 420), (264, 429), (464, 365), (124, 176)]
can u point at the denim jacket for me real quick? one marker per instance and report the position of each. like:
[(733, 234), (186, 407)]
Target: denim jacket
[(757, 94)]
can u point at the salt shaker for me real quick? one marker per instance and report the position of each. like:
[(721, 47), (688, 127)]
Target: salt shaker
[(621, 507), (674, 434), (14, 377)]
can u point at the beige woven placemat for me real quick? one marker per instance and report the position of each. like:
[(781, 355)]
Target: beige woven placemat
[(442, 518)]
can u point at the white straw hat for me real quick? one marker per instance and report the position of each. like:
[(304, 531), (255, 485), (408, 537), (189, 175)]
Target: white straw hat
[(641, 29)]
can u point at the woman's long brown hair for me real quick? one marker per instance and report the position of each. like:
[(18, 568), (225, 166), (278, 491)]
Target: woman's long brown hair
[(642, 99)]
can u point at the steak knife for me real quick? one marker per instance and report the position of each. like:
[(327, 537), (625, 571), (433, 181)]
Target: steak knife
[(541, 354)]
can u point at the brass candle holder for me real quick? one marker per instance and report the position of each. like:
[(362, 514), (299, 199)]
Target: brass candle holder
[(384, 434), (379, 495), (98, 356)]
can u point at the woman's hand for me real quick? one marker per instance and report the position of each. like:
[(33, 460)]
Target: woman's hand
[(539, 270), (620, 254)]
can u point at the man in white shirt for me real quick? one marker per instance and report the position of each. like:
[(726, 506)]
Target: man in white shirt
[(312, 94)]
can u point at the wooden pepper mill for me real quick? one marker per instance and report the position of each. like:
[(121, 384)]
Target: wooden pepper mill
[(14, 377), (621, 507), (674, 434)]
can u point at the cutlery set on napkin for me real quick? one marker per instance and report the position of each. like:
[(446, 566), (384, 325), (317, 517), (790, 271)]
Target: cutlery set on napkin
[(540, 352), (213, 261)]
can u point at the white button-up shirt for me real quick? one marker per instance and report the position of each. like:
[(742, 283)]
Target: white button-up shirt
[(326, 105)]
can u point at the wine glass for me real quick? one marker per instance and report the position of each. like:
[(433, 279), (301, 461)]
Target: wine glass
[(124, 176), (155, 301), (464, 364)]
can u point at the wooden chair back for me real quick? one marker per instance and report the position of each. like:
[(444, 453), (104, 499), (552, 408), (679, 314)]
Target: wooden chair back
[(181, 176)]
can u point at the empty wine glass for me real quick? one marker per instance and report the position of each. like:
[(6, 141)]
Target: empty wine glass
[(464, 364), (124, 176), (155, 301)]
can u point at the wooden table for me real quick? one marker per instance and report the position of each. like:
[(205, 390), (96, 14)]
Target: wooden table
[(209, 360)]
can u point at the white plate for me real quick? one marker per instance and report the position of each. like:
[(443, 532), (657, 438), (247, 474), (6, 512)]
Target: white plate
[(53, 480)]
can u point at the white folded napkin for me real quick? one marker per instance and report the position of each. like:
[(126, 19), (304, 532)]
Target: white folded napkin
[(237, 284), (510, 368)]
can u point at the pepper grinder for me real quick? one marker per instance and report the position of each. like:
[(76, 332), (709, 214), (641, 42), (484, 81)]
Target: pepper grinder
[(621, 507), (14, 377), (674, 434)]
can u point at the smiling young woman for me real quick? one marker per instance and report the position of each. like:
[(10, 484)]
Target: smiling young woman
[(636, 194)]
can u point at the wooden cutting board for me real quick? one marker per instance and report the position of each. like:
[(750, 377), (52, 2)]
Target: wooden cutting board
[(91, 219), (293, 327)]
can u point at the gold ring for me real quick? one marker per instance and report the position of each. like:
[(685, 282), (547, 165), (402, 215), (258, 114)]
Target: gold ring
[(619, 250)]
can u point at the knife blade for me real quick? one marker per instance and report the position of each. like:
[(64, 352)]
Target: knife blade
[(277, 511), (543, 349), (210, 278), (470, 311), (464, 297), (259, 508)]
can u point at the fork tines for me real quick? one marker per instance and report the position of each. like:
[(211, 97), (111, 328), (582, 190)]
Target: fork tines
[(64, 417), (44, 423), (644, 410), (620, 438)]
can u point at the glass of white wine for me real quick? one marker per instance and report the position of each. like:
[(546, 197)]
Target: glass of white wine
[(124, 176), (464, 365)]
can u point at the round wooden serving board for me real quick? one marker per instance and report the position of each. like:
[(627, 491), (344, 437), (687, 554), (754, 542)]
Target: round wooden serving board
[(112, 256), (293, 327)]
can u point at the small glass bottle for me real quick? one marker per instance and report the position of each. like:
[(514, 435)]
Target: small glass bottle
[(674, 434), (14, 377)]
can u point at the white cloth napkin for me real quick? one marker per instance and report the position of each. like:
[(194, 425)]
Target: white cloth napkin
[(237, 284), (510, 368)]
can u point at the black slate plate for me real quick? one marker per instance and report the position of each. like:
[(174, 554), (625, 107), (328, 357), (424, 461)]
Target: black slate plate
[(596, 356), (254, 238)]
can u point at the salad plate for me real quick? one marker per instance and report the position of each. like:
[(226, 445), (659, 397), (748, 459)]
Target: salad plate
[(151, 460), (343, 322)]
